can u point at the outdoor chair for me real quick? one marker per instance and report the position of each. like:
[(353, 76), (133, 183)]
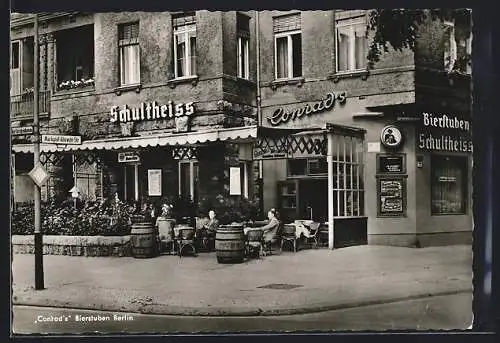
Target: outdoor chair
[(288, 236), (314, 228), (255, 242), (268, 245), (167, 241), (186, 241)]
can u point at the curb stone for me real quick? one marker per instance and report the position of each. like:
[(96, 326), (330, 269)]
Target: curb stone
[(229, 312)]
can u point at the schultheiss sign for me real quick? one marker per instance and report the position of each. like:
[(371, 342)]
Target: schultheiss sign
[(444, 132), (282, 115), (151, 111)]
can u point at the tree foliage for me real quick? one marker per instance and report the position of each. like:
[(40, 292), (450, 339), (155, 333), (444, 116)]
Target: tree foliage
[(399, 28)]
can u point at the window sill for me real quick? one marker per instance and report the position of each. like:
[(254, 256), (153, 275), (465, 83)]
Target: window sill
[(336, 77), (126, 88), (193, 79), (299, 81), (74, 90)]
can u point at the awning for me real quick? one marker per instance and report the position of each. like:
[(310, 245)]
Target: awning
[(189, 138)]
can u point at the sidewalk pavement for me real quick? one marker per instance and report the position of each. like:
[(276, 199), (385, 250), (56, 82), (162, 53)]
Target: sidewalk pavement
[(325, 280)]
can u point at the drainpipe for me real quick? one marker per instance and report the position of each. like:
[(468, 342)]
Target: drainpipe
[(259, 110)]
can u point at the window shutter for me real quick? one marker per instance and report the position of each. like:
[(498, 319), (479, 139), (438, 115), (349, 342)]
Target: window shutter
[(129, 33), (183, 19), (285, 23), (243, 25)]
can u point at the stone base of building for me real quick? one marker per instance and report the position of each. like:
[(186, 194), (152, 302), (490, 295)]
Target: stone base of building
[(92, 246), (422, 240)]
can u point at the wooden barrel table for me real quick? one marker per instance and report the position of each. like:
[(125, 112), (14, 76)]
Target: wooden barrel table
[(143, 240), (230, 244)]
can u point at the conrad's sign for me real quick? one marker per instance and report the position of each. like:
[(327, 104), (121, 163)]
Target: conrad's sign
[(283, 115), (151, 111)]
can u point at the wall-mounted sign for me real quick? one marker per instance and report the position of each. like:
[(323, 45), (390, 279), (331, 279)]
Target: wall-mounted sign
[(389, 164), (391, 136), (373, 146), (23, 130), (445, 133), (154, 182), (60, 139), (391, 196), (151, 111), (234, 181), (282, 115), (128, 156)]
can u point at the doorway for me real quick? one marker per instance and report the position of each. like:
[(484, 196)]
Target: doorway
[(314, 199)]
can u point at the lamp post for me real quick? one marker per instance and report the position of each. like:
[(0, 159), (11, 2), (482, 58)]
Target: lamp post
[(39, 282)]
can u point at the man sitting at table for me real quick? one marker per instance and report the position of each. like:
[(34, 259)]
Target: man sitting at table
[(208, 230), (270, 229)]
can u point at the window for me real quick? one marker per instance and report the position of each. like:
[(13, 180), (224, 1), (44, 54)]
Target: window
[(449, 184), (351, 44), (129, 54), (131, 182), (86, 177), (245, 178), (184, 45), (348, 192), (15, 68), (188, 180), (75, 62), (243, 27), (287, 46)]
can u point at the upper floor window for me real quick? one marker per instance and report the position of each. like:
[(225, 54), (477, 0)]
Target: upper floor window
[(351, 44), (287, 46), (129, 53), (243, 28), (184, 45), (15, 68), (75, 62), (457, 47)]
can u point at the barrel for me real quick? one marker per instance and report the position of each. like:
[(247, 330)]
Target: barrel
[(230, 244), (143, 239), (166, 228)]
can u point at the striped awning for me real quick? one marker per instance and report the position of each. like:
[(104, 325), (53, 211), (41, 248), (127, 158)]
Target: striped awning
[(189, 138)]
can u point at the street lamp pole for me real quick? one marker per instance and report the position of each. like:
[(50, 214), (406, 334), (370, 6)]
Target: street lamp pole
[(39, 279)]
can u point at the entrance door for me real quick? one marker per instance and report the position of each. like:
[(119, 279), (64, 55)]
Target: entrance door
[(314, 199)]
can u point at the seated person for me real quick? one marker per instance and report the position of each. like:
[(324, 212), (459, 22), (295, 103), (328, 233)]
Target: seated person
[(209, 228), (271, 228)]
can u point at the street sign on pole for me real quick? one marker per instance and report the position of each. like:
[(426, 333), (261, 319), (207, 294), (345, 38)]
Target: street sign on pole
[(23, 130), (39, 175), (61, 139)]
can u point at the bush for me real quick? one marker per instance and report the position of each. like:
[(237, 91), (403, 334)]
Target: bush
[(229, 208), (105, 218)]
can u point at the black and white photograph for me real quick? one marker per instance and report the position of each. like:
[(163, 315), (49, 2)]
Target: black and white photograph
[(241, 171)]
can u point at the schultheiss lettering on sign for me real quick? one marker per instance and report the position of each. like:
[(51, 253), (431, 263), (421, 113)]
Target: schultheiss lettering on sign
[(151, 111), (444, 141), (281, 115)]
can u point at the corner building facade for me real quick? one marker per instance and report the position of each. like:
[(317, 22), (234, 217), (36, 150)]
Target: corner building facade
[(173, 103)]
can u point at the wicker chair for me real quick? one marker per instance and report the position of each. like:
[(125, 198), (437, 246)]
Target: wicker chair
[(186, 240), (288, 235)]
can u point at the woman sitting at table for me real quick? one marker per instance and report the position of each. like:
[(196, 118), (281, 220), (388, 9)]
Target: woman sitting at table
[(270, 229)]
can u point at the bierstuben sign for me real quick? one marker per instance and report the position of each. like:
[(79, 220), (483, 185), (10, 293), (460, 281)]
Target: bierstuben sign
[(444, 132), (283, 115)]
